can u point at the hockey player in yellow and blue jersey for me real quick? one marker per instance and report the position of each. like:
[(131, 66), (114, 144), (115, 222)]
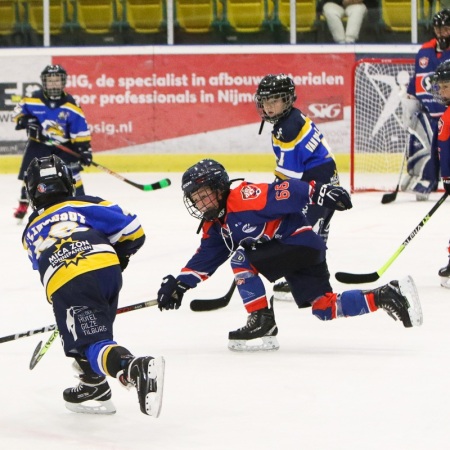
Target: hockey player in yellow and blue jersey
[(52, 116), (301, 151), (80, 246)]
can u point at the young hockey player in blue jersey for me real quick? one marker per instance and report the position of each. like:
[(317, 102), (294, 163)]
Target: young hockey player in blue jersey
[(80, 246), (421, 112), (441, 92), (261, 227), (51, 116), (301, 151)]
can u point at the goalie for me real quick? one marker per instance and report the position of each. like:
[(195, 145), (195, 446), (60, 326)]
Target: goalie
[(421, 112)]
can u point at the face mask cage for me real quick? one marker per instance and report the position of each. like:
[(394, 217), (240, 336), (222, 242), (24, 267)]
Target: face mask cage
[(436, 90), (287, 99), (54, 84), (210, 203)]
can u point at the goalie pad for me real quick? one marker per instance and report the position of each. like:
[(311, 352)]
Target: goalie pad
[(421, 167)]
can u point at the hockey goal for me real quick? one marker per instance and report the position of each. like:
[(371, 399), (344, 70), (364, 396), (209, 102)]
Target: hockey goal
[(378, 139)]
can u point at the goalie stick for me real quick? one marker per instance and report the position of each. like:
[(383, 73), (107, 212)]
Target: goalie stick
[(356, 278), (165, 182), (40, 352), (211, 304)]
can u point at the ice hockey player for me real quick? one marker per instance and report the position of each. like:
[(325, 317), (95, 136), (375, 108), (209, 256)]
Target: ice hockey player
[(441, 92), (262, 228), (50, 117), (80, 246), (300, 149), (421, 112)]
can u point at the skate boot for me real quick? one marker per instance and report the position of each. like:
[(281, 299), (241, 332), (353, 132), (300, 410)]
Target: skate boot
[(260, 324), (91, 396), (282, 292), (444, 273), (401, 301), (21, 211), (146, 374)]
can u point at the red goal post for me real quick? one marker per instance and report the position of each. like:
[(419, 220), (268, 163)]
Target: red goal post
[(378, 140)]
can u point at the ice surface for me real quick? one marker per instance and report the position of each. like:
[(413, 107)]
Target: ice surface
[(350, 384)]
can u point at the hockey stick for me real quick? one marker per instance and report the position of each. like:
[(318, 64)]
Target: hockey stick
[(165, 182), (40, 352), (213, 303), (391, 196), (355, 278)]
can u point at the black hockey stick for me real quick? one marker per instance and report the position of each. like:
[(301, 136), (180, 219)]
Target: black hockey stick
[(40, 352), (13, 337), (355, 278), (165, 182), (391, 196), (213, 303)]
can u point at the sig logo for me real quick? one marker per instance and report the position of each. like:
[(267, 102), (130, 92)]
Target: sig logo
[(325, 111)]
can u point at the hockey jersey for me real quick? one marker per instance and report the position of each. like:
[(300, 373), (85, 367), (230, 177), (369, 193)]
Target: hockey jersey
[(79, 235), (444, 143), (254, 213), (64, 115), (426, 62), (298, 145)]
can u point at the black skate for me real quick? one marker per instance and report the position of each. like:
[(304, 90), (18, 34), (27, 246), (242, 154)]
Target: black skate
[(444, 273), (91, 396), (21, 211), (401, 301), (146, 374), (282, 292), (260, 324)]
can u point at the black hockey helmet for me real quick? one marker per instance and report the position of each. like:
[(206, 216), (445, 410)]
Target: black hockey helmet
[(441, 75), (48, 180), (54, 72), (442, 19), (207, 173), (275, 86)]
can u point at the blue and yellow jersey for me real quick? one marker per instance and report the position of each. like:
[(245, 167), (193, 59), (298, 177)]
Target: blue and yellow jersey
[(298, 145), (79, 235), (63, 114)]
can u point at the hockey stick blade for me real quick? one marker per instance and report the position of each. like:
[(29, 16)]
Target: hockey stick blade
[(389, 197), (212, 304), (356, 278)]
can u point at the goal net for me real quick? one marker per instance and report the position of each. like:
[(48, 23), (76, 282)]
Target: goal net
[(378, 138)]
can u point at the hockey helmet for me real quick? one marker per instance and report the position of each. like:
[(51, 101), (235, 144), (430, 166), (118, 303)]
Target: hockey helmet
[(53, 79), (48, 180), (211, 202), (442, 19), (274, 87)]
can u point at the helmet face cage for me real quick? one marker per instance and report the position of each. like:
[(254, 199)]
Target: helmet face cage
[(442, 19), (209, 180), (275, 87), (442, 75), (48, 179), (53, 80)]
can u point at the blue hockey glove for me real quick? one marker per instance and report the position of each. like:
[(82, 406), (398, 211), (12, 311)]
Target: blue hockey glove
[(171, 293), (329, 196), (446, 183), (85, 153)]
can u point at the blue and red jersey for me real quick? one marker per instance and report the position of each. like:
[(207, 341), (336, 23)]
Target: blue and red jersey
[(443, 143)]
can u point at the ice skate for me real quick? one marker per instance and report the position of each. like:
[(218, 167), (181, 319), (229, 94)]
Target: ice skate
[(444, 273), (21, 211), (260, 326), (146, 374), (401, 301), (91, 396), (282, 292)]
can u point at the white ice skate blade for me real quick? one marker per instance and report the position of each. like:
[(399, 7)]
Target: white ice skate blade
[(92, 407), (269, 343), (445, 282), (409, 290), (279, 296), (153, 400)]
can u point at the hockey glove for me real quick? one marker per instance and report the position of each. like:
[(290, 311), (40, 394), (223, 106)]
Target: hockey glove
[(123, 261), (446, 182), (26, 121), (85, 153), (329, 196), (171, 293)]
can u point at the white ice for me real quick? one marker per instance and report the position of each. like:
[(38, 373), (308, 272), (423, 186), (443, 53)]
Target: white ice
[(358, 383)]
